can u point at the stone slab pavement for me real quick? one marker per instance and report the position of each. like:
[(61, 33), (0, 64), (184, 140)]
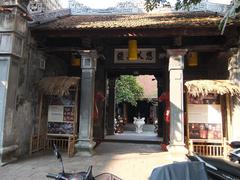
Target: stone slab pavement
[(128, 161)]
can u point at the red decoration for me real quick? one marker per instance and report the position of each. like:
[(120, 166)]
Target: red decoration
[(166, 98)]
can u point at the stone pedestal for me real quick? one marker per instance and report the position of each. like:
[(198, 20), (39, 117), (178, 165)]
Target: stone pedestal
[(85, 144), (176, 66)]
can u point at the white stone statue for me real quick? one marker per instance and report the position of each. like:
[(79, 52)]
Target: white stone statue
[(139, 122)]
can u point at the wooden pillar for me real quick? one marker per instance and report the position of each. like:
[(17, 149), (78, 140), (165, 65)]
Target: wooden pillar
[(161, 107), (111, 107), (234, 75), (229, 119), (85, 142), (100, 88), (176, 66)]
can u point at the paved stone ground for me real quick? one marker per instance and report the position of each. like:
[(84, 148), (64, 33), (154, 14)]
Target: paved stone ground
[(127, 160), (128, 136)]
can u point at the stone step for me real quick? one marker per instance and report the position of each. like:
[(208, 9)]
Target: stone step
[(131, 127)]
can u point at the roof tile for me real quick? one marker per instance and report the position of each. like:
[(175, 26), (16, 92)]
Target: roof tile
[(164, 20)]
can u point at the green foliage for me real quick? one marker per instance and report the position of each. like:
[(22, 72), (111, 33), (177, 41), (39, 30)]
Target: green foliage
[(128, 90), (151, 4), (180, 4), (232, 12), (185, 4)]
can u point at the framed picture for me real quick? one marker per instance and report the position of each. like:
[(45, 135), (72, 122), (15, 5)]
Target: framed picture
[(145, 55)]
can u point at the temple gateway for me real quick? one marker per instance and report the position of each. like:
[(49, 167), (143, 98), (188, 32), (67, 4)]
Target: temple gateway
[(57, 67)]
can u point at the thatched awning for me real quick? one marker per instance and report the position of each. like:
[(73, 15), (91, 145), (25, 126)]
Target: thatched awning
[(204, 87), (57, 85)]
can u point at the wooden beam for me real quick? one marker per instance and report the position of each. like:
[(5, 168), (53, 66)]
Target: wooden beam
[(62, 49), (178, 41), (229, 120), (143, 32), (206, 48), (199, 48), (114, 71)]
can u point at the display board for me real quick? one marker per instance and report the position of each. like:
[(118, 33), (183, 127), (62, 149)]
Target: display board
[(55, 113), (58, 114), (61, 114), (204, 118)]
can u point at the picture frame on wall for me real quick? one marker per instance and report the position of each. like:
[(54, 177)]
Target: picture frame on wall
[(145, 55)]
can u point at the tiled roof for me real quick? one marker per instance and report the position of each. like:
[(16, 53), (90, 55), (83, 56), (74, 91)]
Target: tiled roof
[(164, 20)]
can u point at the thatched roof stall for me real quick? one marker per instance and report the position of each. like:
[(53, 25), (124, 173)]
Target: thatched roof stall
[(204, 87), (58, 86)]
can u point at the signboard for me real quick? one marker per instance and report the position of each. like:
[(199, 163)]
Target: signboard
[(60, 119), (145, 55), (55, 113), (205, 121)]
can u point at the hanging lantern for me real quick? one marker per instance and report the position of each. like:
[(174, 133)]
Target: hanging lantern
[(75, 60), (132, 50), (192, 59)]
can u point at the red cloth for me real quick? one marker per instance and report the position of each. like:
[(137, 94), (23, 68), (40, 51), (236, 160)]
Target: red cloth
[(165, 98), (164, 147), (99, 96)]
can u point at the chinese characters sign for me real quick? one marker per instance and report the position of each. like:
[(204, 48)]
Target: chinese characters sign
[(145, 55)]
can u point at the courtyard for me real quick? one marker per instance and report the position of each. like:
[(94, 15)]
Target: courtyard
[(129, 161)]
